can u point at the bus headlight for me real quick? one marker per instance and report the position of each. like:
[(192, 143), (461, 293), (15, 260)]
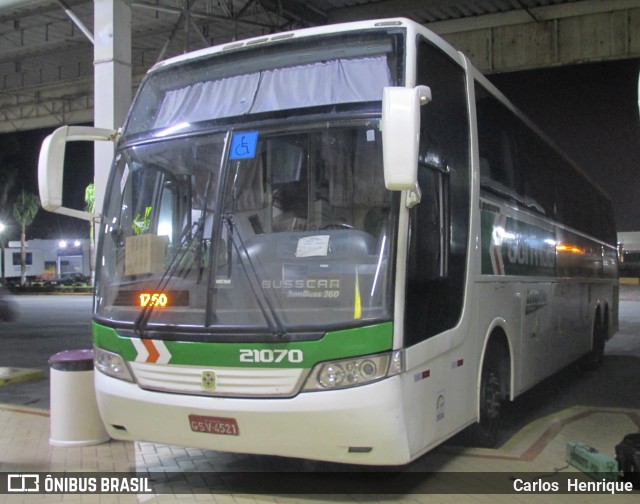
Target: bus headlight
[(353, 372), (111, 364)]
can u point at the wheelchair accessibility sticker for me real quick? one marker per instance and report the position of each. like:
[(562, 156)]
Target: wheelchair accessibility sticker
[(243, 145)]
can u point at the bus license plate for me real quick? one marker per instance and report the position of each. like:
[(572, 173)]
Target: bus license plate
[(214, 425)]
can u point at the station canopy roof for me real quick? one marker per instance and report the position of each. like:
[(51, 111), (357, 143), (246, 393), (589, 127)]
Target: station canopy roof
[(47, 42)]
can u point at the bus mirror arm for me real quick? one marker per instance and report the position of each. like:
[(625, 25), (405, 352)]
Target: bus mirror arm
[(414, 196), (51, 165), (401, 138)]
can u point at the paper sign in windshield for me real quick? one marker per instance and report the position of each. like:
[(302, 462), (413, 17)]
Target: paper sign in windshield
[(313, 246)]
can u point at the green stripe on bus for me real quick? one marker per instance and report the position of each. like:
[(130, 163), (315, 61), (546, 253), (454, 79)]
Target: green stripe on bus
[(334, 345)]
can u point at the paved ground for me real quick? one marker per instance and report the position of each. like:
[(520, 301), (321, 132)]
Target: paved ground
[(597, 409), (535, 454)]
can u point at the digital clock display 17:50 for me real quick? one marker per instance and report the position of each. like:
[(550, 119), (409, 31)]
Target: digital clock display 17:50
[(155, 299)]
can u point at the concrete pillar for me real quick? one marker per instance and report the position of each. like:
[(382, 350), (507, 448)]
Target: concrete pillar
[(112, 79)]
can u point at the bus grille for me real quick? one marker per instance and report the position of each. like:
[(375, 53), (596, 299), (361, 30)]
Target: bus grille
[(227, 382)]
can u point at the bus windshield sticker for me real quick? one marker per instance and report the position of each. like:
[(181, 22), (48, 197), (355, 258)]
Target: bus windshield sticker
[(244, 145), (312, 246), (371, 136)]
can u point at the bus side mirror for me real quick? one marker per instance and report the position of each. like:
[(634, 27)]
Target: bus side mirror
[(401, 137), (51, 165)]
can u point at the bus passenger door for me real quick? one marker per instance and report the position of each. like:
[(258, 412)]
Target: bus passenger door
[(439, 362)]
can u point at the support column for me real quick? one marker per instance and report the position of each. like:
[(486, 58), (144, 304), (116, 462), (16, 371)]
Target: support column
[(112, 79)]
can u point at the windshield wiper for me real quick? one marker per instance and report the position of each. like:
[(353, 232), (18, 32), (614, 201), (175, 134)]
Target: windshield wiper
[(188, 238), (264, 303), (195, 232)]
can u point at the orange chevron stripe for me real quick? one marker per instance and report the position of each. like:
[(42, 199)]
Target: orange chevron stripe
[(153, 352)]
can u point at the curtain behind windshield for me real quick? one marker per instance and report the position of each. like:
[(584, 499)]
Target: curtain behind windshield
[(322, 83)]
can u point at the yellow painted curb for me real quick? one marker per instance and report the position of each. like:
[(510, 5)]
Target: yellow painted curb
[(15, 375)]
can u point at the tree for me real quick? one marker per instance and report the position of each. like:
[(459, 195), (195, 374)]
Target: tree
[(90, 206), (24, 210), (90, 198)]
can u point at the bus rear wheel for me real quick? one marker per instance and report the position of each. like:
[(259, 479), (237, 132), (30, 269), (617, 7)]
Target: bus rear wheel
[(594, 358)]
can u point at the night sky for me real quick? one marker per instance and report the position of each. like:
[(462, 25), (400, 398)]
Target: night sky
[(590, 111)]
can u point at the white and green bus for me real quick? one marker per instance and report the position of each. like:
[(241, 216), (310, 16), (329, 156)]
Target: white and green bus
[(339, 243)]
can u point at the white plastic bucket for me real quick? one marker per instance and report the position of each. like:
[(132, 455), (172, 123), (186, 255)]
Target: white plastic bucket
[(74, 416)]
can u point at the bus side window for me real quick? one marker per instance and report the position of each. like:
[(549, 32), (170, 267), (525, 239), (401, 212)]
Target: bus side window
[(499, 169), (428, 257), (429, 231)]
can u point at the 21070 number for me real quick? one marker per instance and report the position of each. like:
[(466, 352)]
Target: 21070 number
[(267, 355)]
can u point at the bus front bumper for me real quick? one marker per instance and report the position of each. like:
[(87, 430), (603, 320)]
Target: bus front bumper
[(361, 425)]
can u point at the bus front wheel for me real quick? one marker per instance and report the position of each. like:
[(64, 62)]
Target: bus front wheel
[(490, 404)]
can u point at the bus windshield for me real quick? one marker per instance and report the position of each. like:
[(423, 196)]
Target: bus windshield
[(257, 232)]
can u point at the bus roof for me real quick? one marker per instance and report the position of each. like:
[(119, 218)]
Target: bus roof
[(303, 33)]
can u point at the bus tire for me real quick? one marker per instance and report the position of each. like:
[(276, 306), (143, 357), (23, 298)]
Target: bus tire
[(594, 358), (491, 392)]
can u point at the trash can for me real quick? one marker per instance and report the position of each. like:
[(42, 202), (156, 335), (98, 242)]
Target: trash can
[(74, 417)]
